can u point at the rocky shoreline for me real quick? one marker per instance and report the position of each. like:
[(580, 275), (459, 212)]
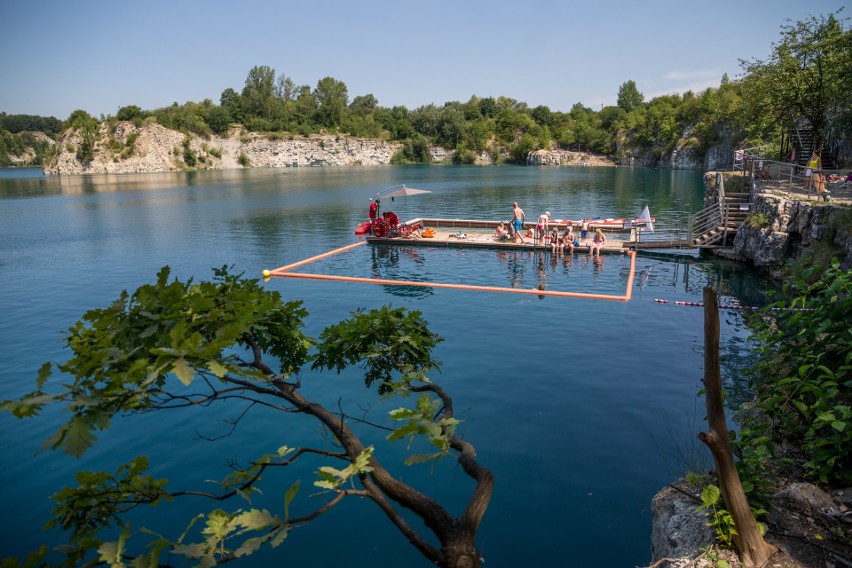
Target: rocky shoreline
[(812, 528), (790, 226)]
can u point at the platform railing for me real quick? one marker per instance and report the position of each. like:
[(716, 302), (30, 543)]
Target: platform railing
[(786, 175)]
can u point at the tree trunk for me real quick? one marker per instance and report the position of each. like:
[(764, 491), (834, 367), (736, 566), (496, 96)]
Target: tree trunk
[(754, 551), (460, 552)]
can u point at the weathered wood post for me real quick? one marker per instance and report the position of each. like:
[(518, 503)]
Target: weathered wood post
[(754, 551)]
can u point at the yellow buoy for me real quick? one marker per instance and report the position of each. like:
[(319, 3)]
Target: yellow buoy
[(266, 274)]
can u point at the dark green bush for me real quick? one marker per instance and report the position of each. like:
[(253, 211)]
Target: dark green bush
[(804, 382)]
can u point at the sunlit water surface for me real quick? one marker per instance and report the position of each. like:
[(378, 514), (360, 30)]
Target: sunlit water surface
[(582, 409)]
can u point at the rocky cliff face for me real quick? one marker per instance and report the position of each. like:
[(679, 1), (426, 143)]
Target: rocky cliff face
[(127, 148), (684, 156), (784, 229), (566, 158)]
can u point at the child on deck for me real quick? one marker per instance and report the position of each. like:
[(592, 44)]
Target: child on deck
[(584, 230)]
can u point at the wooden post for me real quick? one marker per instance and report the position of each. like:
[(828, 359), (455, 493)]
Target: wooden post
[(754, 551)]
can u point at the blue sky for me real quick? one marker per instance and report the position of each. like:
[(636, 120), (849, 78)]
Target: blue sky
[(99, 55)]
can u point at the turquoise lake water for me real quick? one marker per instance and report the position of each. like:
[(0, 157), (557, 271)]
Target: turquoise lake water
[(582, 409)]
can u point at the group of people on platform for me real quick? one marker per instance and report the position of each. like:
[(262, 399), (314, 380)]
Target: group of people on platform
[(558, 243)]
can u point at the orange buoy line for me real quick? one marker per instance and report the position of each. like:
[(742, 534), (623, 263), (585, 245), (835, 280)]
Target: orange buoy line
[(283, 272), (629, 292), (280, 271)]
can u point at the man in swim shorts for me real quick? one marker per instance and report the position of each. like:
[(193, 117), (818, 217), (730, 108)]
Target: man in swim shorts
[(518, 221)]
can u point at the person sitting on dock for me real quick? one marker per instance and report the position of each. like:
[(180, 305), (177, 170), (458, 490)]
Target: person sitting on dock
[(555, 241), (598, 242), (568, 238), (502, 232)]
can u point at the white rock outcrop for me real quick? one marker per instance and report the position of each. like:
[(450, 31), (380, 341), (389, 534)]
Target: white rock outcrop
[(124, 147)]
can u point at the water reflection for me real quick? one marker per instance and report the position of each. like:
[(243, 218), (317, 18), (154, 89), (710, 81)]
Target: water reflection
[(385, 264), (642, 277), (733, 282)]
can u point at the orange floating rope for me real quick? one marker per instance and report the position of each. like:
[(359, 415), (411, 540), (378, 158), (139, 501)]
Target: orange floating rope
[(280, 271), (284, 272)]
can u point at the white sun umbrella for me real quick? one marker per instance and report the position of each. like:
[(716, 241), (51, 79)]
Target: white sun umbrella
[(399, 191)]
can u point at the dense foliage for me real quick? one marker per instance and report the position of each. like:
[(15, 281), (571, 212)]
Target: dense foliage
[(230, 345), (18, 138), (17, 123), (807, 75), (804, 378), (23, 144)]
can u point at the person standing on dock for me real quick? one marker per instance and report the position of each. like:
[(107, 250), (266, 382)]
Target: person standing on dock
[(518, 221), (541, 226)]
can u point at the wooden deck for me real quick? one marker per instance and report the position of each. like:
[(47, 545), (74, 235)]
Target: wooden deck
[(471, 233)]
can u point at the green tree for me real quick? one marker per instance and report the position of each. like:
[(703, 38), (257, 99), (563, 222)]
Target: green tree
[(189, 156), (332, 98), (188, 117), (177, 345), (396, 121), (488, 107), (218, 119), (258, 91), (522, 149), (629, 97), (232, 102), (364, 105), (425, 120), (414, 150), (542, 115), (451, 127), (131, 112), (806, 76), (87, 127), (285, 88), (305, 108)]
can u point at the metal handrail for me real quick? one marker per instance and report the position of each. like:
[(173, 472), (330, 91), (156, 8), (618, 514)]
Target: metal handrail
[(791, 173)]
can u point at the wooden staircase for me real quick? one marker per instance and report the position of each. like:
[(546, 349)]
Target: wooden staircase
[(717, 224)]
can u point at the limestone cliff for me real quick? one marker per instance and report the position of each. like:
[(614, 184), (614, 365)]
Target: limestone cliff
[(783, 229), (686, 154), (566, 158), (125, 147)]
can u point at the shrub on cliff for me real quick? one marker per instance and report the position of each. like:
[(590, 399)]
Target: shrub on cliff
[(805, 372)]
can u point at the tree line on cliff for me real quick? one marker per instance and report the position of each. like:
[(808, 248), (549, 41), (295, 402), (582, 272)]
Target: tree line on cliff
[(805, 81)]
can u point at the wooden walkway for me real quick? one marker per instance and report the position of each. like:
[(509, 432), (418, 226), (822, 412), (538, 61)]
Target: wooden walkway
[(480, 234)]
